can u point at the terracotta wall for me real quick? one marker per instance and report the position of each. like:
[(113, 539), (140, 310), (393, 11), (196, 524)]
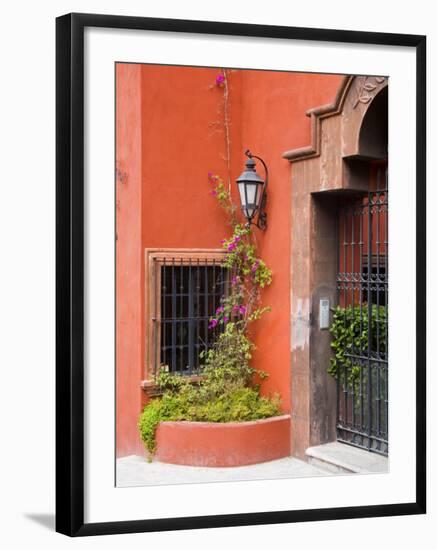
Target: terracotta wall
[(170, 126)]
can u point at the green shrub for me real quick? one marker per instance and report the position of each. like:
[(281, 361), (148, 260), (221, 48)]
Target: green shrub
[(350, 331)]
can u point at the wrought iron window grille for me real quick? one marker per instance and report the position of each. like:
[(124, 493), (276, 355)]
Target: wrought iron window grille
[(187, 290)]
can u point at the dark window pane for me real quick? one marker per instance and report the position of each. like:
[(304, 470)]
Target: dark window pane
[(190, 294), (376, 283)]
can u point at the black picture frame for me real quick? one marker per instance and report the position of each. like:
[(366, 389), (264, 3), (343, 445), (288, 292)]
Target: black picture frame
[(70, 273)]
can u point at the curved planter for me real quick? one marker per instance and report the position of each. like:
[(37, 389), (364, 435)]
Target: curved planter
[(223, 444)]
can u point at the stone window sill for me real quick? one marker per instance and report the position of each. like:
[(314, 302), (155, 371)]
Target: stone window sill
[(151, 389)]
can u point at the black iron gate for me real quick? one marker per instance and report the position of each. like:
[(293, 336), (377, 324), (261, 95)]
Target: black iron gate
[(362, 319)]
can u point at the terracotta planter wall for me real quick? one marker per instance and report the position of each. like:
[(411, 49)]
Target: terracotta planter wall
[(223, 444)]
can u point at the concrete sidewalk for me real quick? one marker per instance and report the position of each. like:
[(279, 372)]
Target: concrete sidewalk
[(135, 471)]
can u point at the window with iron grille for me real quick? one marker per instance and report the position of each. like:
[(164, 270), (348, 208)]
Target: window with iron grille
[(185, 291)]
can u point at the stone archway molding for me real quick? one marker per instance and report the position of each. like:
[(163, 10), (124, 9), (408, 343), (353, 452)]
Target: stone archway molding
[(358, 91)]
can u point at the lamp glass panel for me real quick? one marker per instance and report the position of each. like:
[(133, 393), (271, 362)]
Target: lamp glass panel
[(241, 187), (250, 212), (249, 196), (252, 191)]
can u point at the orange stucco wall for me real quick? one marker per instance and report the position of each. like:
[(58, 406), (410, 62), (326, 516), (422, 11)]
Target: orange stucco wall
[(170, 134)]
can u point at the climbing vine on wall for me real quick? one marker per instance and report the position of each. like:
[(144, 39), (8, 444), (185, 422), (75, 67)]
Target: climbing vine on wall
[(226, 391)]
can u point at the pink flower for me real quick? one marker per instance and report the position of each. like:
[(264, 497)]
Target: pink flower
[(213, 192), (220, 309), (243, 310), (213, 323), (220, 79), (225, 319), (234, 280)]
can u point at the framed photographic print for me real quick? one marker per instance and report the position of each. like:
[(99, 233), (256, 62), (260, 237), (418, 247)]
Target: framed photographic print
[(240, 274)]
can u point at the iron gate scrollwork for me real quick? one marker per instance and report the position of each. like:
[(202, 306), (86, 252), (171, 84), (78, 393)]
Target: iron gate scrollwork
[(362, 317)]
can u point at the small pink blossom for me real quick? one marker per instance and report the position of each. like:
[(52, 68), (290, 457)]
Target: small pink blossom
[(220, 80), (255, 266), (234, 280), (225, 319), (239, 309), (220, 309), (213, 323)]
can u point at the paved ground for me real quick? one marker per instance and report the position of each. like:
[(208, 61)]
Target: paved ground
[(136, 471)]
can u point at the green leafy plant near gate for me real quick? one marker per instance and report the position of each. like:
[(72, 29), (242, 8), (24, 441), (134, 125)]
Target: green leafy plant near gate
[(228, 389), (350, 332)]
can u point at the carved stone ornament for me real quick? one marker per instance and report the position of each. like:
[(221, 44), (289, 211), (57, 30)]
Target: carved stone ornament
[(368, 88)]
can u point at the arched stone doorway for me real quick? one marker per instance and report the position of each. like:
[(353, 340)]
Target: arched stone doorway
[(333, 175)]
